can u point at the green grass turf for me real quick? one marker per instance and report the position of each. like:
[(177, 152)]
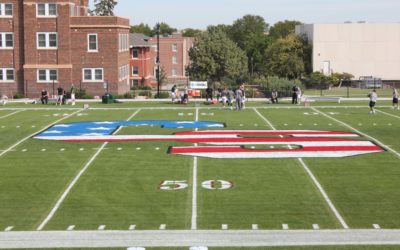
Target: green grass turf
[(121, 187), (362, 187)]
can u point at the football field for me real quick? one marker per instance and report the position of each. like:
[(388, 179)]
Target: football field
[(164, 167)]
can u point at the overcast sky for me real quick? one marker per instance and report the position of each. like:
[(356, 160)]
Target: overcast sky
[(199, 14)]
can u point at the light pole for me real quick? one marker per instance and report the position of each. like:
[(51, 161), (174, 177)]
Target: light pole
[(158, 60)]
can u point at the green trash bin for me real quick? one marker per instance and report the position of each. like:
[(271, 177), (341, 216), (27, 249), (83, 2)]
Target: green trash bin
[(107, 98)]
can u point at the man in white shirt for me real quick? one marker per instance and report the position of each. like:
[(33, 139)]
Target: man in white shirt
[(372, 101)]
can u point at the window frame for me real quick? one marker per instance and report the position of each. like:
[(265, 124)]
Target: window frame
[(5, 75), (174, 60), (3, 43), (174, 47), (47, 75), (88, 42), (93, 75), (3, 10), (133, 73), (137, 51), (47, 40), (46, 10)]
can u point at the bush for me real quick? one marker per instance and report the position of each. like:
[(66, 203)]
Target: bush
[(81, 94), (18, 96), (282, 85), (163, 95), (145, 93)]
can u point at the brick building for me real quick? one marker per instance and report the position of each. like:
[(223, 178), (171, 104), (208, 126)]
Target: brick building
[(51, 43), (174, 57)]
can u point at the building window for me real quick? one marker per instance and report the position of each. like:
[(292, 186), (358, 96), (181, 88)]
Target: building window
[(6, 40), (134, 82), (174, 61), (92, 43), (6, 10), (174, 47), (7, 75), (47, 75), (46, 10), (47, 40), (135, 70), (173, 72), (72, 9), (135, 53), (93, 75)]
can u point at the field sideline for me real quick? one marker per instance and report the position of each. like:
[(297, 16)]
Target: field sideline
[(142, 186)]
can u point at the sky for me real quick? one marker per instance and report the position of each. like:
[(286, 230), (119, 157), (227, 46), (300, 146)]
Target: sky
[(199, 14)]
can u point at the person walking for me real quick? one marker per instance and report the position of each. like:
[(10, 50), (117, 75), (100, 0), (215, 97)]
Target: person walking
[(298, 95), (395, 100), (373, 97), (239, 100), (44, 96), (231, 97), (173, 93), (294, 94), (274, 96), (72, 92), (60, 95)]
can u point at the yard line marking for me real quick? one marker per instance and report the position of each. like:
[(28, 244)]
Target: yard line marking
[(8, 229), (71, 227), (75, 180), (132, 227), (194, 180), (224, 226), (163, 227), (361, 133), (395, 116), (254, 227), (16, 112), (102, 227), (81, 149), (285, 226), (315, 181), (43, 150), (29, 136), (315, 226), (24, 150), (62, 149), (376, 226), (119, 149)]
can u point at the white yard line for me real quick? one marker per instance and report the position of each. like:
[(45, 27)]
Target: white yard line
[(29, 136), (13, 113), (395, 116), (315, 181), (194, 189), (359, 132), (75, 180)]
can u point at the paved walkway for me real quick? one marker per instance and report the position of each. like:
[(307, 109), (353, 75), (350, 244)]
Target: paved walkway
[(210, 238)]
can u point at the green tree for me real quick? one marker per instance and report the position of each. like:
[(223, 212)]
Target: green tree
[(104, 7), (342, 77), (142, 29), (165, 30), (284, 58), (189, 32), (250, 34), (283, 29), (215, 57)]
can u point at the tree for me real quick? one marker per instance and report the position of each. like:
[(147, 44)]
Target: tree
[(189, 32), (165, 30), (142, 29), (284, 58), (249, 33), (215, 57), (283, 29), (342, 77), (104, 7)]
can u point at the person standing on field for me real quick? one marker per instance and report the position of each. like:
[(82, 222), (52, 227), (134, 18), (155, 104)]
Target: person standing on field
[(395, 99), (72, 91), (373, 97)]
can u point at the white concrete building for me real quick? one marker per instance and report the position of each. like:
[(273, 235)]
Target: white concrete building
[(362, 49)]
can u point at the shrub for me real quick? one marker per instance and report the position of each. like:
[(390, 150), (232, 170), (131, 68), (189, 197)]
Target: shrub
[(163, 95), (18, 96)]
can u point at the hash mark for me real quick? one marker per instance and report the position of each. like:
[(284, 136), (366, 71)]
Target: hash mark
[(254, 227), (71, 227), (163, 227), (8, 229), (132, 227), (224, 226), (102, 227), (315, 226), (285, 226), (376, 226)]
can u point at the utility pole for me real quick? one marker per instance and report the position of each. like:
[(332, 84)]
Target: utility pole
[(158, 60)]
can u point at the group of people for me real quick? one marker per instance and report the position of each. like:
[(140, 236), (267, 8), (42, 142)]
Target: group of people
[(61, 97), (296, 95), (228, 96), (179, 97)]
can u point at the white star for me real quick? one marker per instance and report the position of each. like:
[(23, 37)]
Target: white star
[(62, 126), (53, 132), (100, 128), (104, 123)]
